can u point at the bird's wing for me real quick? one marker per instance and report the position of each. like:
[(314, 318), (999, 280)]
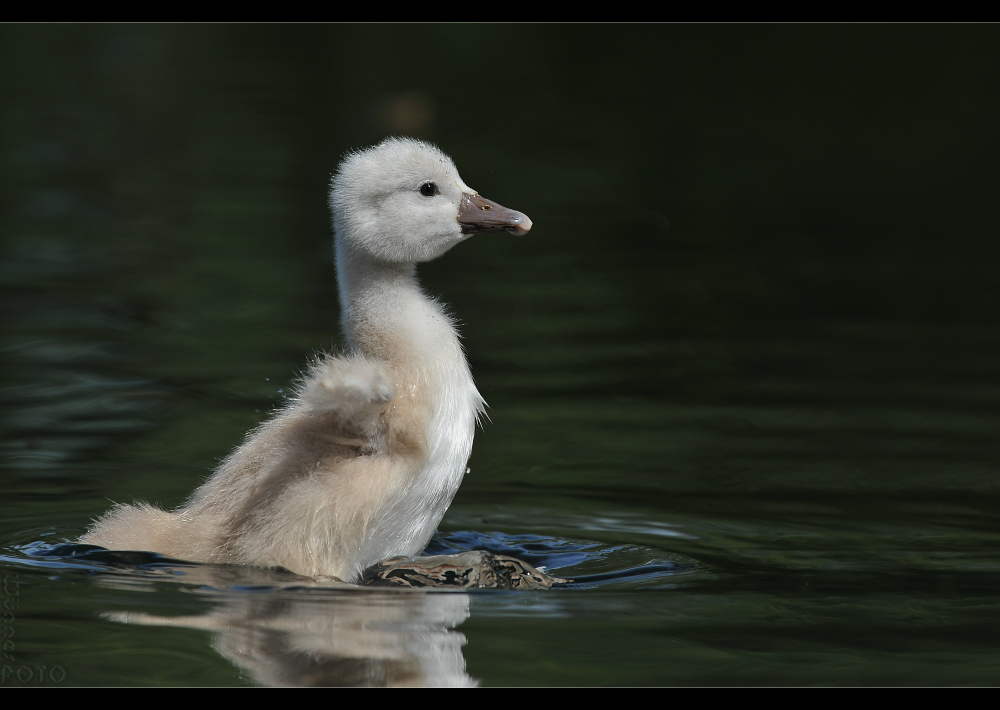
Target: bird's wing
[(354, 388)]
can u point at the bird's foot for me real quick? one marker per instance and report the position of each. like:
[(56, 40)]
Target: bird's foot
[(466, 570)]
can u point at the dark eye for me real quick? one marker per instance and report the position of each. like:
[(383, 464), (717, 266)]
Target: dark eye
[(429, 189)]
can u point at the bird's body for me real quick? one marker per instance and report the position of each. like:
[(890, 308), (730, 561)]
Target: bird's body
[(363, 463)]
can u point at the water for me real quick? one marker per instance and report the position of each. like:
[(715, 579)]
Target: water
[(742, 373)]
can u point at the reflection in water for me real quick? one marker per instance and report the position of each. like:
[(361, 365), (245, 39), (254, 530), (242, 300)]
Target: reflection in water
[(334, 637), (285, 629)]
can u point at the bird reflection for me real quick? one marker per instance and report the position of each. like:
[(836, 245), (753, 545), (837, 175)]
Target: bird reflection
[(288, 629), (304, 633)]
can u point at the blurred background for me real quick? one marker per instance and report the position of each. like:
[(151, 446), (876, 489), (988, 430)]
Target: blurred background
[(753, 327)]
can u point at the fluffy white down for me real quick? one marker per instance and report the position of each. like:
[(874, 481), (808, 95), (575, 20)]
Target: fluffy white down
[(383, 226), (363, 464)]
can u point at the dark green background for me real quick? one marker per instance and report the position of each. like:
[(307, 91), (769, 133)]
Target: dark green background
[(754, 327)]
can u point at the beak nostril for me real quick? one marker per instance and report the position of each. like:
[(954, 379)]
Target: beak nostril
[(477, 215)]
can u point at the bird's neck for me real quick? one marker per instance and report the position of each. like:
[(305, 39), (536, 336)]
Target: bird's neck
[(385, 314), (387, 317)]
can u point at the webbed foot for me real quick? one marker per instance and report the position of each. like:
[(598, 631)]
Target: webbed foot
[(467, 570)]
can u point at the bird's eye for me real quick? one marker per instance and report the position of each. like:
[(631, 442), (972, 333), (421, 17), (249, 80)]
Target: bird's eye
[(429, 189)]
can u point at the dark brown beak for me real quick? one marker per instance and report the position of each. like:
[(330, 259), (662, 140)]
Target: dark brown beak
[(478, 215)]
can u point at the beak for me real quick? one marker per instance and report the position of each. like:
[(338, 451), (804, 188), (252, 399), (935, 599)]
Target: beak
[(478, 215)]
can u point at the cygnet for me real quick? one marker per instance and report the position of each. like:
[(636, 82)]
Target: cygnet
[(362, 463)]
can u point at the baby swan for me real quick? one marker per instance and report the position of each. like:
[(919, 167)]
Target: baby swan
[(363, 463)]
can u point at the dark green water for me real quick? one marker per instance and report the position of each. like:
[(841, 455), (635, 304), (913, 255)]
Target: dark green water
[(746, 366)]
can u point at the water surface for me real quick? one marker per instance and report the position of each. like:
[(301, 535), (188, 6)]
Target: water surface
[(743, 374)]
